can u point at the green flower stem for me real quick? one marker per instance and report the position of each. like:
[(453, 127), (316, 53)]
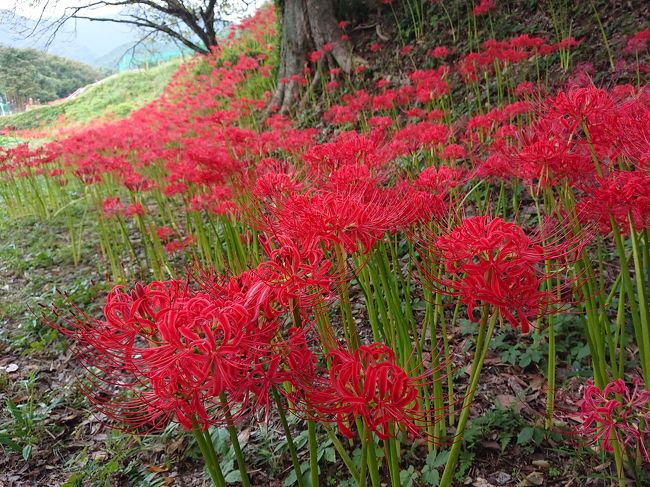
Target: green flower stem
[(234, 439), (392, 457), (346, 308), (210, 461), (313, 453), (340, 449), (643, 305), (363, 481), (448, 363), (373, 466), (290, 442), (618, 460), (602, 32), (373, 319), (632, 301), (550, 388), (482, 344)]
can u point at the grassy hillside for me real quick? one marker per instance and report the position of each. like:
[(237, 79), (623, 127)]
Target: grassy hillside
[(115, 96), (8, 141), (28, 73)]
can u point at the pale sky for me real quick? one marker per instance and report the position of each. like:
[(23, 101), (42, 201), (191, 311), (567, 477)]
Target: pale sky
[(56, 8), (26, 8)]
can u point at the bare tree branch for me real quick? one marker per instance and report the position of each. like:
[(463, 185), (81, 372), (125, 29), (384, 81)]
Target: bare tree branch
[(192, 23)]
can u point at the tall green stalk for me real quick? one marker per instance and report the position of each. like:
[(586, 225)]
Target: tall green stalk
[(209, 456), (290, 443), (486, 329)]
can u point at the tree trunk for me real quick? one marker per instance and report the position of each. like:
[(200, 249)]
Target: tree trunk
[(307, 25)]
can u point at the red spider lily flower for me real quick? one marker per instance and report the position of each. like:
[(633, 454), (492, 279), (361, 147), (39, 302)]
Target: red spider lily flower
[(495, 263), (483, 7), (439, 52), (367, 384), (430, 83), (176, 245), (617, 412), (134, 209), (454, 151), (112, 206), (148, 363), (295, 275), (440, 180), (275, 184), (289, 361), (332, 85), (548, 155), (624, 197), (415, 112), (422, 134), (314, 56), (165, 233), (349, 148), (374, 47), (638, 42), (352, 177), (381, 123), (525, 88), (341, 114), (425, 206), (435, 115), (579, 105), (354, 219)]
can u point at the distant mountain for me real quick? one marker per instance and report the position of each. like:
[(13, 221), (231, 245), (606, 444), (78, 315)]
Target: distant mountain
[(30, 76), (131, 55), (81, 40)]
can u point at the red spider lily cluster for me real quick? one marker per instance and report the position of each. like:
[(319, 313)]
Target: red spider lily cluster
[(167, 351), (368, 384), (493, 262), (207, 352), (617, 414)]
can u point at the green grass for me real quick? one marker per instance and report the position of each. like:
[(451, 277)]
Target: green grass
[(8, 141), (118, 95)]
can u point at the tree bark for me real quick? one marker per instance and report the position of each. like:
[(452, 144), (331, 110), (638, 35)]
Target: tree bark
[(307, 25)]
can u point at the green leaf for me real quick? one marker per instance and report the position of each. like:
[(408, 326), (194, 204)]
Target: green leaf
[(6, 440), (525, 435), (301, 440), (291, 479), (75, 480), (330, 454), (15, 411), (406, 477), (232, 477), (27, 452), (441, 459), (504, 441), (430, 476)]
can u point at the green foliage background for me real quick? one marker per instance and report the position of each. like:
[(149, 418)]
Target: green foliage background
[(28, 73)]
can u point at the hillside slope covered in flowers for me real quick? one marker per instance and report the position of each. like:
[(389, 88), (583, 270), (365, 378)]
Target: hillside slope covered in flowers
[(419, 276)]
